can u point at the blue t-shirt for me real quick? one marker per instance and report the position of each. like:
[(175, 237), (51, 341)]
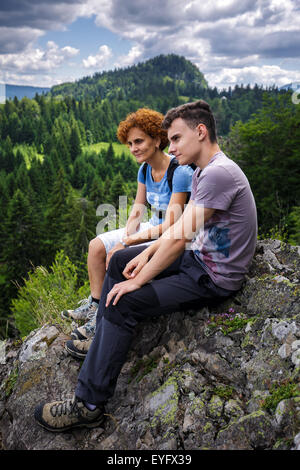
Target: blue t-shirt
[(158, 194)]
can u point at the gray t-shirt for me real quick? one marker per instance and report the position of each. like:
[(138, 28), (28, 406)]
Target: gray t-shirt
[(225, 245)]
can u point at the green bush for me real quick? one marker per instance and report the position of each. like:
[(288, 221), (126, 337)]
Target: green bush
[(46, 293)]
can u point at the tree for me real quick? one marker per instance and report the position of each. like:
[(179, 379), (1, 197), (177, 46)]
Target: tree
[(21, 250), (75, 143), (96, 195), (293, 226), (80, 227), (118, 188), (55, 214), (267, 149)]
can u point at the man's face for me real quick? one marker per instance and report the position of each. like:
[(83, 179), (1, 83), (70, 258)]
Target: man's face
[(184, 142)]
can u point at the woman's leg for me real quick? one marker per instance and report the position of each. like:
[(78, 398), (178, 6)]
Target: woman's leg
[(98, 249), (96, 266)]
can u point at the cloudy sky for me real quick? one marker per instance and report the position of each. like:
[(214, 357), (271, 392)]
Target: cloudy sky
[(43, 43)]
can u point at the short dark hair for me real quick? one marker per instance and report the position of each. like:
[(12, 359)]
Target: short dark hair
[(194, 113)]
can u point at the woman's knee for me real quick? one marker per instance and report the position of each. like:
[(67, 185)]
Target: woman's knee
[(97, 248)]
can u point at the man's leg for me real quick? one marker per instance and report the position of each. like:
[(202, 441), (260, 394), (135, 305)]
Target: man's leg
[(115, 330), (116, 324)]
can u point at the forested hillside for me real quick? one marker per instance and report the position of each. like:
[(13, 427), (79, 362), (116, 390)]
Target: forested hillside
[(52, 177)]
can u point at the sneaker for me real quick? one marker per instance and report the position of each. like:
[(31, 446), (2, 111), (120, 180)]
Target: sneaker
[(85, 331), (63, 415), (87, 309), (78, 348)]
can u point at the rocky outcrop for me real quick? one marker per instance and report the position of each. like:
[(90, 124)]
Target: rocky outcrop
[(222, 377)]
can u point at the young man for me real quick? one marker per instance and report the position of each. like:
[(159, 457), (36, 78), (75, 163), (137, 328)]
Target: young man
[(221, 224)]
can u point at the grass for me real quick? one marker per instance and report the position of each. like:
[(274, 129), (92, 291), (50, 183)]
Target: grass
[(118, 148), (29, 152)]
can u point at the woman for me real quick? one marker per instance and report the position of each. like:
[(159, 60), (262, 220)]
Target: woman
[(143, 134)]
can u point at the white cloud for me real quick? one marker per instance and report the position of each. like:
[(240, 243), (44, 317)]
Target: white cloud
[(133, 56), (99, 60), (37, 60), (227, 39), (266, 75)]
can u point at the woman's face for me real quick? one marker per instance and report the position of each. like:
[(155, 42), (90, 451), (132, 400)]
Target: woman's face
[(141, 145)]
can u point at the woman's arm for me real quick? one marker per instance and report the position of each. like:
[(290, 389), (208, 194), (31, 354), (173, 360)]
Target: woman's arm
[(174, 211), (137, 211), (134, 219)]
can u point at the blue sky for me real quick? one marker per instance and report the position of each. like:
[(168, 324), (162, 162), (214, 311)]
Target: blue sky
[(44, 43)]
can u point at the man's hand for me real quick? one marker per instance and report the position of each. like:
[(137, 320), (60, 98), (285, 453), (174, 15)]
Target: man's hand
[(117, 247), (134, 266), (120, 289)]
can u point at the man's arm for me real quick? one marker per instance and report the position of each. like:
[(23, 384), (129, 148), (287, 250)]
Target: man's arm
[(173, 241), (169, 246)]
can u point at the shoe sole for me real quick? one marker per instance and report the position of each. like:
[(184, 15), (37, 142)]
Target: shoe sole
[(78, 355), (70, 317)]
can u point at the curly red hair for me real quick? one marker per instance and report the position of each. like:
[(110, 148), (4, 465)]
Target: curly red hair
[(149, 121)]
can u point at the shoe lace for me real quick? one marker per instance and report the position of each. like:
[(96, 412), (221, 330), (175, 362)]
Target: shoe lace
[(90, 316), (83, 302), (67, 407)]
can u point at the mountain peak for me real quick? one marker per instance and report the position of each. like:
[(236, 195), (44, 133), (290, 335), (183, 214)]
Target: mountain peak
[(170, 71)]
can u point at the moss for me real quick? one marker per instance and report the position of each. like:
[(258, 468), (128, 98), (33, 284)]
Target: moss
[(10, 382), (197, 404), (228, 322), (215, 407), (208, 427), (167, 412), (142, 368), (32, 379), (224, 391), (279, 393)]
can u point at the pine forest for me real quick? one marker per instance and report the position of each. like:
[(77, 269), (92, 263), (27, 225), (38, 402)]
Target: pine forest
[(60, 159)]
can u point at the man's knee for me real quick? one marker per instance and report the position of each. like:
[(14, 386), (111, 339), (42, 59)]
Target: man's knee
[(118, 262), (118, 314)]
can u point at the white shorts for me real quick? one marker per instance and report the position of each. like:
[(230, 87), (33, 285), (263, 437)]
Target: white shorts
[(110, 239)]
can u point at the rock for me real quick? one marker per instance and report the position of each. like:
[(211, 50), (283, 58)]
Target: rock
[(37, 343), (187, 383), (2, 352), (296, 442), (251, 432)]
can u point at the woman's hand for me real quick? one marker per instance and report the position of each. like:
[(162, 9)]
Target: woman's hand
[(134, 266), (117, 247), (120, 289)]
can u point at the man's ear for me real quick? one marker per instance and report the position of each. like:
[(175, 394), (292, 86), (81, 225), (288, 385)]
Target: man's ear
[(202, 131)]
